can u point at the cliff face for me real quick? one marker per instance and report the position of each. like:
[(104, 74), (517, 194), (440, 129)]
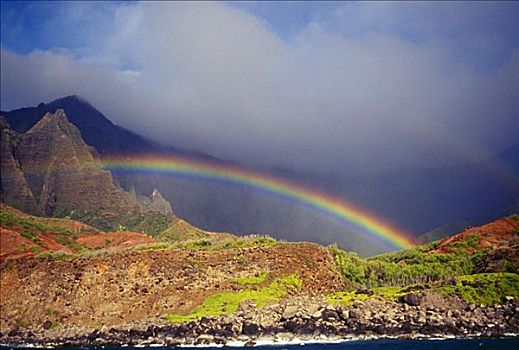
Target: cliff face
[(61, 170), (13, 185), (50, 170)]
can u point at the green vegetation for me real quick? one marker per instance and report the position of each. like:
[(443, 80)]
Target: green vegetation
[(8, 265), (425, 268), (27, 227), (392, 292), (410, 265), (228, 302), (153, 246), (55, 255), (22, 323), (180, 230), (152, 223), (54, 325), (515, 217), (229, 242), (30, 226), (102, 219), (251, 280), (484, 288), (345, 298)]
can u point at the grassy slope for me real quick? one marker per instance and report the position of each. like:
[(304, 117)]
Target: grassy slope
[(484, 288), (390, 275), (228, 302), (28, 226)]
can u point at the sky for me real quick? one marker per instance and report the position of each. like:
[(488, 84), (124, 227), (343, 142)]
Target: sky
[(300, 85)]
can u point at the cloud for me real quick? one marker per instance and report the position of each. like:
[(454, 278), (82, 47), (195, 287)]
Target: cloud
[(215, 78)]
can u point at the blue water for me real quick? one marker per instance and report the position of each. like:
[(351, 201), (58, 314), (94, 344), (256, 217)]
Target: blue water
[(463, 344)]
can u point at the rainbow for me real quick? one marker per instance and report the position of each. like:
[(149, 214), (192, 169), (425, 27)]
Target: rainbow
[(335, 206)]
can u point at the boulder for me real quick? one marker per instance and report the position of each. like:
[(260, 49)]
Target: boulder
[(365, 291), (290, 312), (250, 328), (355, 314), (412, 299), (358, 304), (291, 325)]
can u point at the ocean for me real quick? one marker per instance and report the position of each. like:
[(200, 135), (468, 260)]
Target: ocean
[(448, 344)]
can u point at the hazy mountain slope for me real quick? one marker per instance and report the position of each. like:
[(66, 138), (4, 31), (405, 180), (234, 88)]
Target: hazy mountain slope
[(417, 200), (458, 226), (97, 130)]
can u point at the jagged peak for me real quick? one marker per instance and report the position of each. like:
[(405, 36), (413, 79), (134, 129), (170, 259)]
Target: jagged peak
[(57, 121), (58, 117), (156, 202)]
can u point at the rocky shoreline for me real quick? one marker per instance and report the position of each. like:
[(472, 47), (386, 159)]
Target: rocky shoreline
[(298, 319)]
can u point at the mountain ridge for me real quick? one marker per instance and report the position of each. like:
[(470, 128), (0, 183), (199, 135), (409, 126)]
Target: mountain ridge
[(49, 170), (97, 130), (427, 198)]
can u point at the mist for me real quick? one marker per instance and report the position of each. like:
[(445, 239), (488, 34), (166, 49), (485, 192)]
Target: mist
[(358, 88)]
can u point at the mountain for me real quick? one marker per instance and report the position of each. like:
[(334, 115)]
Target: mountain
[(13, 185), (97, 130), (61, 172), (416, 200), (460, 225), (49, 170)]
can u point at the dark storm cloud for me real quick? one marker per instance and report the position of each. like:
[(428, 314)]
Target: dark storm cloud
[(351, 90)]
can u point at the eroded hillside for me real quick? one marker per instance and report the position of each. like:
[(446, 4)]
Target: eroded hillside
[(130, 285)]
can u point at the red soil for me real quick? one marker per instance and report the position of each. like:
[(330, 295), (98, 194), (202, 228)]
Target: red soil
[(50, 243), (15, 246), (493, 235)]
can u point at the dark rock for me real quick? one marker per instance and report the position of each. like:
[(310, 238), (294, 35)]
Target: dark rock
[(345, 314), (47, 324), (14, 332), (93, 336), (291, 325), (412, 299), (355, 314), (152, 330), (450, 282), (308, 327), (182, 330), (250, 328), (329, 315), (364, 291)]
